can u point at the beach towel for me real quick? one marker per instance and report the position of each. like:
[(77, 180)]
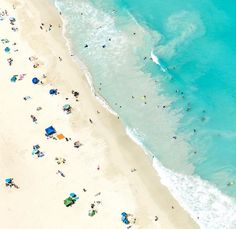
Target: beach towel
[(60, 136)]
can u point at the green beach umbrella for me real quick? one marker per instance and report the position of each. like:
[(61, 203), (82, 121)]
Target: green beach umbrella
[(66, 106)]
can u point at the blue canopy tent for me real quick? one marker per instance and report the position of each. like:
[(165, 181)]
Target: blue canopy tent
[(7, 49), (35, 80), (50, 130), (53, 91)]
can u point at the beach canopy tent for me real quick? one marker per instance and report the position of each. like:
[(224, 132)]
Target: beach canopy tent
[(7, 49), (69, 201), (14, 78), (53, 91), (35, 80), (50, 130)]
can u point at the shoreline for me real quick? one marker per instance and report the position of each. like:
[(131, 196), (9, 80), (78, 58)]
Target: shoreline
[(108, 121), (105, 104)]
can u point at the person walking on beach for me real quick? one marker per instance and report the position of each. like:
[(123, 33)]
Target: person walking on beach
[(33, 118)]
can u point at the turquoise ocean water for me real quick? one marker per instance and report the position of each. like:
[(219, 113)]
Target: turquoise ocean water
[(167, 68)]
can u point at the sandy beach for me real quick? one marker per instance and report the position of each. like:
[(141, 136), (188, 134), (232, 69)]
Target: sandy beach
[(109, 173)]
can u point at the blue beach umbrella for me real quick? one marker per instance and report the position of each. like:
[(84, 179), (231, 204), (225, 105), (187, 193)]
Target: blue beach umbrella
[(14, 78), (52, 91), (124, 214), (35, 80), (8, 180), (7, 49), (73, 195), (125, 221)]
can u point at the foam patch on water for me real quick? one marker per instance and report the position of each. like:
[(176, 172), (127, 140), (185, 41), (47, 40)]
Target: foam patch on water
[(182, 27)]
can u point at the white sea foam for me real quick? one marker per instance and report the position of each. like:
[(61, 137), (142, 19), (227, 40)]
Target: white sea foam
[(155, 59), (209, 207)]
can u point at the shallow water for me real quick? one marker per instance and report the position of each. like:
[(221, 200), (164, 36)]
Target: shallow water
[(167, 68)]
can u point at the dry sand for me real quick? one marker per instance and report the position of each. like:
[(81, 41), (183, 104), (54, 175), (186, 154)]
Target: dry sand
[(38, 203)]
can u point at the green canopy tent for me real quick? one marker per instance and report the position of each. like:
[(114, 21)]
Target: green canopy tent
[(69, 201)]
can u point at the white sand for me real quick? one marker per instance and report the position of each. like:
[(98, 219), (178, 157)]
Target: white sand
[(38, 203)]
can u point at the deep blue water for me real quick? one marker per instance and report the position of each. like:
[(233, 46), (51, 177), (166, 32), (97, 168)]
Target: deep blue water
[(190, 95)]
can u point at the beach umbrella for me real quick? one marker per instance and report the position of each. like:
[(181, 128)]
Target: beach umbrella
[(8, 180), (14, 78), (77, 144), (52, 91), (35, 151), (7, 49), (35, 80), (73, 195), (12, 19), (66, 107), (125, 221), (124, 214), (91, 213), (36, 146)]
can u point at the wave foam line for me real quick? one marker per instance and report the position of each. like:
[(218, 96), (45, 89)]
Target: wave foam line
[(155, 59), (208, 206)]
